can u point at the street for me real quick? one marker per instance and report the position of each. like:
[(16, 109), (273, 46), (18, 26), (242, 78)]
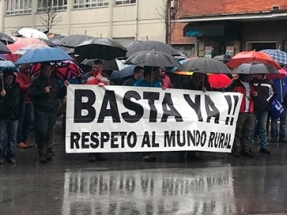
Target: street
[(212, 184)]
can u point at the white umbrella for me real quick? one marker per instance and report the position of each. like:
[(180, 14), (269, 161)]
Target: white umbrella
[(30, 33)]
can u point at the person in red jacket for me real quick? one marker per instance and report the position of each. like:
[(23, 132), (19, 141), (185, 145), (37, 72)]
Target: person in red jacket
[(27, 116), (244, 86)]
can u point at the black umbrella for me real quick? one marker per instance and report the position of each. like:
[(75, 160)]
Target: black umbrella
[(48, 42), (149, 46), (153, 59), (224, 58), (114, 64), (6, 39), (205, 65), (88, 47), (255, 68), (4, 49)]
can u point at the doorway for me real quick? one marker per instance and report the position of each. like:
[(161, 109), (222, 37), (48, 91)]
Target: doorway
[(258, 46)]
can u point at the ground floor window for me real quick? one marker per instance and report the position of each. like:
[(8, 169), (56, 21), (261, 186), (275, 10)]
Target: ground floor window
[(14, 7), (121, 2), (260, 45)]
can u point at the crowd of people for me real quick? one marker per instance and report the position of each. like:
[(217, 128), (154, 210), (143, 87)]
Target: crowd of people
[(27, 101)]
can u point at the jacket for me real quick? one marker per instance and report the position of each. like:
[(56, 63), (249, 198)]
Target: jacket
[(24, 79), (266, 94), (281, 88), (238, 87), (11, 103), (45, 102)]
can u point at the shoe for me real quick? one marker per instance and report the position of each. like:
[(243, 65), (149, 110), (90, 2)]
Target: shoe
[(42, 159), (51, 152), (29, 144), (11, 160), (264, 151), (22, 145), (149, 158), (246, 154), (282, 141), (2, 160), (91, 158), (49, 157)]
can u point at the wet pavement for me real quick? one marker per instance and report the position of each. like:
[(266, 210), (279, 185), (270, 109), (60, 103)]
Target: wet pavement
[(124, 185)]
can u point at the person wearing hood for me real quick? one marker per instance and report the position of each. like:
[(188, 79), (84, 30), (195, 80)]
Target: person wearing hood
[(46, 93), (11, 100)]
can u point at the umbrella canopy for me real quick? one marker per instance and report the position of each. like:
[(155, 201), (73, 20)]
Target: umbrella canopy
[(7, 65), (6, 39), (251, 56), (205, 65), (45, 54), (64, 70), (278, 55), (4, 49), (224, 58), (126, 72), (218, 81), (282, 73), (152, 59), (150, 45), (29, 41), (30, 33), (13, 47), (255, 68), (24, 49), (88, 47)]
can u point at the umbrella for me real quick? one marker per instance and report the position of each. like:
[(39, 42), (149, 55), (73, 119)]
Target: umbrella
[(13, 47), (251, 56), (88, 47), (45, 54), (152, 59), (30, 33), (255, 68), (282, 73), (205, 65), (6, 39), (29, 41), (64, 70), (114, 64), (7, 65), (24, 49), (128, 71), (4, 49), (278, 55), (224, 58), (149, 46), (218, 81)]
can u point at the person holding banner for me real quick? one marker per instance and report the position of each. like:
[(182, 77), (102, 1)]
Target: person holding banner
[(266, 94), (96, 77), (137, 74), (149, 79), (243, 85)]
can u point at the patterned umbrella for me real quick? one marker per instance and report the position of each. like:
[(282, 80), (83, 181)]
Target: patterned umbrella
[(278, 55), (64, 70)]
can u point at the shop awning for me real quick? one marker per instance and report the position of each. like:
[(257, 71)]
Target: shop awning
[(204, 30)]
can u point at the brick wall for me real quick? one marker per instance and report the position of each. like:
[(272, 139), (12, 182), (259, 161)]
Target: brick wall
[(177, 35)]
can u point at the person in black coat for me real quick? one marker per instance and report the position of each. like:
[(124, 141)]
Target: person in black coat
[(11, 101), (46, 93)]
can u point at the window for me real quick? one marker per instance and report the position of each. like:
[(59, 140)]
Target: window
[(57, 5), (90, 3), (15, 7), (121, 2)]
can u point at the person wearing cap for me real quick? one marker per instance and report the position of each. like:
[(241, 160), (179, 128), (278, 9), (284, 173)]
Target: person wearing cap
[(11, 101), (45, 91)]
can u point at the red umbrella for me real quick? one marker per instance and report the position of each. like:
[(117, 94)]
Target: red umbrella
[(251, 56), (282, 74), (13, 47), (29, 41), (218, 81), (65, 70)]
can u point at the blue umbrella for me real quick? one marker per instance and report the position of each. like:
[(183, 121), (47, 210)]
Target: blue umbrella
[(128, 71), (278, 55), (45, 54), (7, 65)]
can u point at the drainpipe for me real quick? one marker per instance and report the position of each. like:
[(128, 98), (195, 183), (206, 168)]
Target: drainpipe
[(111, 17), (2, 16), (137, 21), (69, 11)]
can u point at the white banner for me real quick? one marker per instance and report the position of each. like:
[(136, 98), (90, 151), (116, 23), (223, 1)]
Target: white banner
[(129, 119)]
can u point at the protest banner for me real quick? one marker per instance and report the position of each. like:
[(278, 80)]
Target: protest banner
[(138, 119)]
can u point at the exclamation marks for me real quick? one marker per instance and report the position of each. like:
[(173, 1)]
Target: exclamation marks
[(232, 103)]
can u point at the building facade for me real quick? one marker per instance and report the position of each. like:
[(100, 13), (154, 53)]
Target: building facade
[(123, 20), (228, 26)]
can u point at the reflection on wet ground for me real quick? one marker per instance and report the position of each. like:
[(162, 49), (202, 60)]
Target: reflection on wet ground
[(123, 185)]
